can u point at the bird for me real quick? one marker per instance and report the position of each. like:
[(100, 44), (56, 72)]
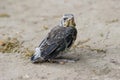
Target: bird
[(60, 38)]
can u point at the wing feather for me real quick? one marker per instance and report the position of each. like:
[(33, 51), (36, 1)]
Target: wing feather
[(53, 42), (57, 40)]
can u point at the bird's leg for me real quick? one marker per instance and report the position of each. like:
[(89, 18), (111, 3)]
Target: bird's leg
[(63, 60)]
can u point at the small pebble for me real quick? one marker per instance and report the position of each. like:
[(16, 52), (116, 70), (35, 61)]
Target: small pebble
[(62, 63), (26, 76)]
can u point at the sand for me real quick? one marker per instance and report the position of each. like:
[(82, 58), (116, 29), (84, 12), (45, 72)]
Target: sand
[(97, 45)]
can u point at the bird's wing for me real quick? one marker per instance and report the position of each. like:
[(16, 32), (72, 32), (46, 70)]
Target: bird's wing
[(47, 49), (54, 41)]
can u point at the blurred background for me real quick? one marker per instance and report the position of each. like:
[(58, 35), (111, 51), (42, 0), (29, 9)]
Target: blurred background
[(28, 22)]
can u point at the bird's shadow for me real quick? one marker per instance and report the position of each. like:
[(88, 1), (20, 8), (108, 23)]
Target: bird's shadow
[(61, 60)]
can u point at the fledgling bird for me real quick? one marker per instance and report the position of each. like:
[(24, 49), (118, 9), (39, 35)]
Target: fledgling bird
[(60, 38)]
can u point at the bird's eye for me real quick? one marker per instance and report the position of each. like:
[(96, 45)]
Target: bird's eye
[(65, 19)]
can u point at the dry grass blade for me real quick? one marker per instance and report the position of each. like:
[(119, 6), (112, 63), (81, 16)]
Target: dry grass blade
[(10, 45), (4, 15), (28, 52)]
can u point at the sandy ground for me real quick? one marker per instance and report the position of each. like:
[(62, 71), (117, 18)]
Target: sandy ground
[(98, 40)]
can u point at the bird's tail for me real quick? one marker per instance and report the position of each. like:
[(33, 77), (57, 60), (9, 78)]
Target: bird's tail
[(36, 57)]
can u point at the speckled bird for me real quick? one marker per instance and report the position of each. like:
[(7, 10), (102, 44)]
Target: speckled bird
[(60, 38)]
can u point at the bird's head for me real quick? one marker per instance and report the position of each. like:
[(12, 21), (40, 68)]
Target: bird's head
[(67, 20)]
